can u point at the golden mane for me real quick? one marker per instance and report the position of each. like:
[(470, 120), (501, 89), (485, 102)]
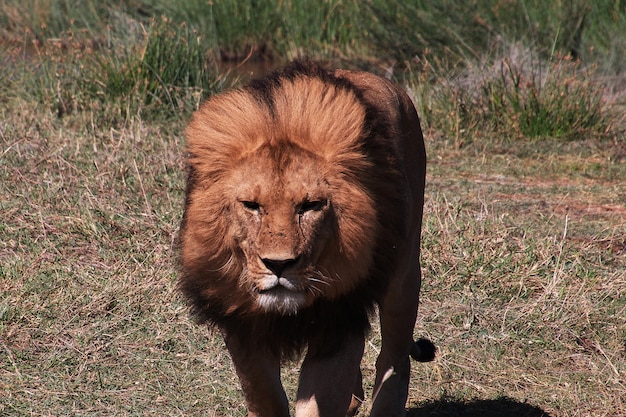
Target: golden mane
[(229, 126)]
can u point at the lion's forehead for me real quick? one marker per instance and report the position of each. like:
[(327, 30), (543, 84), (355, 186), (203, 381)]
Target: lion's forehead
[(291, 176)]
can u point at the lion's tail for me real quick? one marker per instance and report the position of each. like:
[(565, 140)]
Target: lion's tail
[(423, 350)]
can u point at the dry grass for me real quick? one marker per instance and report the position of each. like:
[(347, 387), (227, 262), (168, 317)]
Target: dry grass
[(524, 244), (89, 321), (524, 254), (525, 285)]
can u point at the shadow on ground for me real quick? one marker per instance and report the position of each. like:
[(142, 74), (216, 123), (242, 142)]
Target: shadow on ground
[(502, 407)]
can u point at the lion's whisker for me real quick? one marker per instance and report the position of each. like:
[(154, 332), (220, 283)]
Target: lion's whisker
[(226, 267), (314, 290), (321, 281), (325, 275)]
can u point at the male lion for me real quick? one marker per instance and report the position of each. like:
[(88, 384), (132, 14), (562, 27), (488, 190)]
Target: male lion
[(303, 212)]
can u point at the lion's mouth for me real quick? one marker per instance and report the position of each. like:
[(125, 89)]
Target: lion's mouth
[(274, 284), (281, 295), (277, 291)]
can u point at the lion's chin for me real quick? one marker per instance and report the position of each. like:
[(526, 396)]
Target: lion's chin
[(281, 300)]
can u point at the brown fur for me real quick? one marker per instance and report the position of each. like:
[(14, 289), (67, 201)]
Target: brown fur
[(307, 171)]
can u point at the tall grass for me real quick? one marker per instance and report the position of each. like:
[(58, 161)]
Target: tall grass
[(513, 96), (562, 102), (590, 30), (152, 70), (137, 57), (174, 69)]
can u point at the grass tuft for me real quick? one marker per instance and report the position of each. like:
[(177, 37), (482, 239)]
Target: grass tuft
[(562, 102), (515, 95), (170, 71)]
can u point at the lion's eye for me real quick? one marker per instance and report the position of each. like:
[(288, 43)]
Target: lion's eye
[(314, 205), (251, 205)]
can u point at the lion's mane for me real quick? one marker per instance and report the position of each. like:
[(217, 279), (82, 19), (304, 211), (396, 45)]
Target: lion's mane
[(324, 113)]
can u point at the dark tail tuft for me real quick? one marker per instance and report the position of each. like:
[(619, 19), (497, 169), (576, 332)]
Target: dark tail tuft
[(423, 350)]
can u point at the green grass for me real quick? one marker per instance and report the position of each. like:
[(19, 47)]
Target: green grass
[(562, 103), (524, 253), (515, 95), (452, 29)]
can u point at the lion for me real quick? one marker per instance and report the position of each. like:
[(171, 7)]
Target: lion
[(303, 217)]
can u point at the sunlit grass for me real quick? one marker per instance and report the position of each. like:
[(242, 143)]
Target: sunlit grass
[(515, 95), (523, 243)]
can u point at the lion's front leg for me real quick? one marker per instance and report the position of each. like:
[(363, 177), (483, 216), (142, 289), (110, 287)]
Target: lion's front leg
[(398, 313), (328, 382), (259, 374)]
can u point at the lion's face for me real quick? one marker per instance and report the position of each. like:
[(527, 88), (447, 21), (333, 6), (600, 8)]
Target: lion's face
[(282, 224)]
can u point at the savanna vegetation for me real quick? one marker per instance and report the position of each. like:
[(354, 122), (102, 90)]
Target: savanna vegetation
[(523, 103)]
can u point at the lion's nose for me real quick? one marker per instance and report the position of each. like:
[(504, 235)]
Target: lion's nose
[(278, 266)]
